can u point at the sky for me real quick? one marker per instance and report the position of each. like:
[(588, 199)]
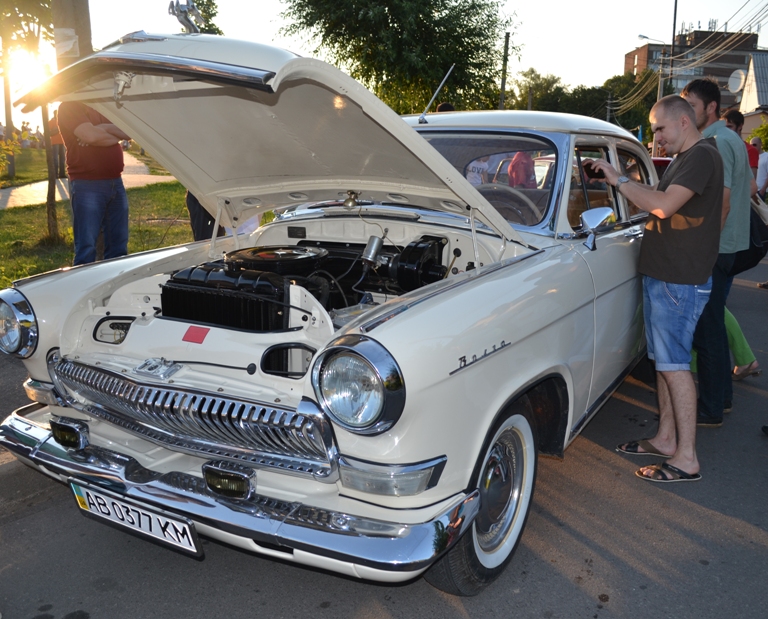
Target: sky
[(582, 43)]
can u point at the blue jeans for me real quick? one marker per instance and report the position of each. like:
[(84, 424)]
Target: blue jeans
[(711, 343), (97, 204), (670, 314)]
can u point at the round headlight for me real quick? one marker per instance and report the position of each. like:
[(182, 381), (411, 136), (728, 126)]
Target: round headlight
[(18, 325), (351, 390), (10, 329), (359, 385)]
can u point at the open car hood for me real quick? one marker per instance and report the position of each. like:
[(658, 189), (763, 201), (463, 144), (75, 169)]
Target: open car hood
[(249, 128)]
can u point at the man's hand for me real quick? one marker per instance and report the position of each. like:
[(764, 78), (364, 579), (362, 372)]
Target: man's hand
[(88, 134), (601, 165)]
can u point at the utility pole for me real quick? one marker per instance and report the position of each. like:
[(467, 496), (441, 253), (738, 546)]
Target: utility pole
[(659, 94), (504, 71), (672, 50)]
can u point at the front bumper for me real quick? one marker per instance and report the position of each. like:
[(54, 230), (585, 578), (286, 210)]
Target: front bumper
[(357, 546)]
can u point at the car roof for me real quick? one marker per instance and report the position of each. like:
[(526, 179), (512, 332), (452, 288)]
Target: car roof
[(520, 119)]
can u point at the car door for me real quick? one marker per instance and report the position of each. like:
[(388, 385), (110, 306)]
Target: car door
[(613, 266)]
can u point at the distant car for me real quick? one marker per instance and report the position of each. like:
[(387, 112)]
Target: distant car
[(362, 385)]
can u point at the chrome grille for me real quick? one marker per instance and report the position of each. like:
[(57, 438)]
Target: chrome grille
[(206, 424)]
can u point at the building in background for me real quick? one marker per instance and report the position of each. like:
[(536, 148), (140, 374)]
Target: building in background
[(698, 53), (753, 91)]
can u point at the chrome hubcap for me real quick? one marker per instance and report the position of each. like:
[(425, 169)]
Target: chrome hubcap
[(501, 484)]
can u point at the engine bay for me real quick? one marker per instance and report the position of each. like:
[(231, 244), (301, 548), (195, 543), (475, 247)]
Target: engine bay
[(249, 288)]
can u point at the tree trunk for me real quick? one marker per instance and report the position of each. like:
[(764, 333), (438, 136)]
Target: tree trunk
[(50, 203), (72, 31), (11, 168)]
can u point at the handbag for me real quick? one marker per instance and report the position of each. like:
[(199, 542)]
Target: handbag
[(758, 238)]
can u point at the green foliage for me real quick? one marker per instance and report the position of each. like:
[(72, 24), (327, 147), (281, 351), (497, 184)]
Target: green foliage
[(630, 97), (31, 165), (23, 23), (208, 10), (158, 218), (546, 92), (760, 132), (402, 49)]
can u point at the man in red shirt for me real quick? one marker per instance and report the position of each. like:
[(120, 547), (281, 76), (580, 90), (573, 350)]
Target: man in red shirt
[(97, 194), (734, 120)]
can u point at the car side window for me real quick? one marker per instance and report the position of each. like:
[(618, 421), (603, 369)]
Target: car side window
[(588, 189), (633, 168)]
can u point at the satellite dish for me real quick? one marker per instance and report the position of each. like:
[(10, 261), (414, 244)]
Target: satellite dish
[(737, 80)]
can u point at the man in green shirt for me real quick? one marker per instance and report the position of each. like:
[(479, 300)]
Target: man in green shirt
[(710, 339)]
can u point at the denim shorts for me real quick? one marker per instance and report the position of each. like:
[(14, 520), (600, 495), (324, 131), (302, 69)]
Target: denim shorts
[(670, 313)]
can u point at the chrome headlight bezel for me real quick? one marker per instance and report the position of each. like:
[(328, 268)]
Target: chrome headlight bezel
[(387, 374), (26, 319)]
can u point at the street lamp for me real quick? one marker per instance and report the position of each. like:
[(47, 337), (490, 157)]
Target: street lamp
[(660, 91)]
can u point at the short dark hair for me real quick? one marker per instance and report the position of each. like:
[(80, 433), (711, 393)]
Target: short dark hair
[(676, 106), (734, 116), (445, 107), (706, 89)]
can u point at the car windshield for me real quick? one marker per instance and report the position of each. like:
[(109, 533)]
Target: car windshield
[(515, 173)]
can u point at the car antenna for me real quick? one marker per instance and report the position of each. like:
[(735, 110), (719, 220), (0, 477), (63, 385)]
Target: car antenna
[(423, 117)]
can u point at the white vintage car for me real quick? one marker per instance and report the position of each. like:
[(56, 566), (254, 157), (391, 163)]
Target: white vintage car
[(362, 385)]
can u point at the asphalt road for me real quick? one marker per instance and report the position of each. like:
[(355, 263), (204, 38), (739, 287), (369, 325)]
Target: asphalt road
[(599, 543)]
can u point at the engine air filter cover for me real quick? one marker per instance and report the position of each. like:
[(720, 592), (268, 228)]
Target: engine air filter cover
[(291, 260)]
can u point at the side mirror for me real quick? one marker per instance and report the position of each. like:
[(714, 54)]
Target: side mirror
[(595, 218)]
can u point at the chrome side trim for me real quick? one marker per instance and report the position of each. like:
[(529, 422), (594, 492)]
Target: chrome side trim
[(298, 442), (104, 63), (381, 544), (582, 421)]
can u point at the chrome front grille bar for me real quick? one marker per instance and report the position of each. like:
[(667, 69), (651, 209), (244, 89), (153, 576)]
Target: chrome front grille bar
[(295, 441)]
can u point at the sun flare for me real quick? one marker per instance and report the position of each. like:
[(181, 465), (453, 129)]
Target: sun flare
[(27, 71)]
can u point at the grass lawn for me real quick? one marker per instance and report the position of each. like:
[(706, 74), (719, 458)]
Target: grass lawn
[(146, 159), (158, 218), (31, 166)]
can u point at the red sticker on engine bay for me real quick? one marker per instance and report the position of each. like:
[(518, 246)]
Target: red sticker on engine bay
[(196, 335)]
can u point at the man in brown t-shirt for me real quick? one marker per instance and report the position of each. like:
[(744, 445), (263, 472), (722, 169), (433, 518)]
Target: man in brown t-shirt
[(680, 247), (97, 194)]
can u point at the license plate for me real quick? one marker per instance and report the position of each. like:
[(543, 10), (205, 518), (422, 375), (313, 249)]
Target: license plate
[(146, 521)]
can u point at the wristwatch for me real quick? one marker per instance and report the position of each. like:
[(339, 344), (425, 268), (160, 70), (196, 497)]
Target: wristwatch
[(621, 180)]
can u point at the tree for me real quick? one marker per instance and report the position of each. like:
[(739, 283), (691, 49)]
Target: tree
[(402, 49), (208, 10), (545, 92), (22, 24), (762, 133)]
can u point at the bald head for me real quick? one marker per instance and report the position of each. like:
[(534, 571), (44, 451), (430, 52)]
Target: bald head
[(673, 120), (673, 107)]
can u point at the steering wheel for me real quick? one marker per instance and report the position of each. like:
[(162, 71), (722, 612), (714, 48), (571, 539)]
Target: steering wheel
[(511, 203)]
